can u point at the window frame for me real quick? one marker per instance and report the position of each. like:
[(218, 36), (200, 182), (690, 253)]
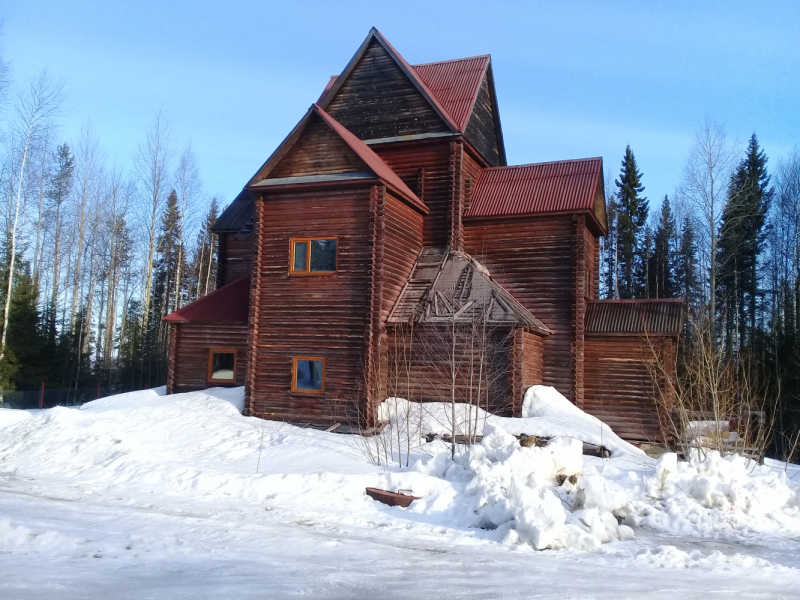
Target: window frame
[(308, 240), (295, 389), (209, 372)]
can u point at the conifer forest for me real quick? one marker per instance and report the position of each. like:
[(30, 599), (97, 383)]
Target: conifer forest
[(95, 255)]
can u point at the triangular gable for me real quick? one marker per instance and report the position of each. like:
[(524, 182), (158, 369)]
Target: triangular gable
[(319, 146), (600, 202), (319, 150), (379, 95), (483, 129)]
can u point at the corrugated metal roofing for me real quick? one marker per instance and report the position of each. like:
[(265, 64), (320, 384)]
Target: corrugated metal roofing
[(228, 304), (657, 317), (538, 188), (455, 83), (237, 215)]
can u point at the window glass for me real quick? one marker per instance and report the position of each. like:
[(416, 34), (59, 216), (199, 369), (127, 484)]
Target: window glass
[(222, 364), (300, 255), (308, 375), (323, 255)]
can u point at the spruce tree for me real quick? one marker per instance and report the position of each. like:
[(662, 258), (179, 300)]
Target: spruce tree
[(741, 240), (631, 220), (687, 282), (662, 271)]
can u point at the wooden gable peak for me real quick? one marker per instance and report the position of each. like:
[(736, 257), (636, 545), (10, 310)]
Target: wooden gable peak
[(599, 209), (483, 129), (375, 36), (353, 160)]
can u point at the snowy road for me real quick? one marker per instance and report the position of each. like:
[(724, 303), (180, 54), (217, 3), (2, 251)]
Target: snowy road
[(120, 548)]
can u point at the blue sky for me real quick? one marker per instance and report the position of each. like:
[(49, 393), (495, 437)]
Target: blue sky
[(574, 79)]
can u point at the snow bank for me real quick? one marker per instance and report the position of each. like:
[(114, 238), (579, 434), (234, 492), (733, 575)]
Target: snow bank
[(525, 494), (545, 413), (10, 416), (198, 446)]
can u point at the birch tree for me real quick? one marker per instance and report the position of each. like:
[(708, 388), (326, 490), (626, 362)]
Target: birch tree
[(32, 112), (707, 171), (152, 173)]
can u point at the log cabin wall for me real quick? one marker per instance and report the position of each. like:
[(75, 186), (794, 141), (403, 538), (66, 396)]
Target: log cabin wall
[(532, 257), (190, 345), (313, 315), (235, 257), (425, 166), (579, 293), (619, 386), (420, 366), (532, 360), (526, 358), (402, 237)]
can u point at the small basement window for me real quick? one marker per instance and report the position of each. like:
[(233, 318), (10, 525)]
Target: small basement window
[(222, 365), (308, 374), (313, 255)]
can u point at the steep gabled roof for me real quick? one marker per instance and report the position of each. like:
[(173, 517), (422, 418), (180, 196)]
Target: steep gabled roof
[(372, 161), (375, 35), (228, 304), (562, 186), (447, 285), (647, 317), (455, 83)]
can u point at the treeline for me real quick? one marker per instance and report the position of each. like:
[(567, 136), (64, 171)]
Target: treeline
[(729, 243), (93, 256)]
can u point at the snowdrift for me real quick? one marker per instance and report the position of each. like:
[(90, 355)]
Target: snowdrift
[(199, 446)]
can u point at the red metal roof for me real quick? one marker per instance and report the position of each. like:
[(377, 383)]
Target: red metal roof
[(455, 83), (228, 304), (373, 161), (657, 317), (560, 186)]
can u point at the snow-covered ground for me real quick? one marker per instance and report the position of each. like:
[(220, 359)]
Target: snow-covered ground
[(144, 495)]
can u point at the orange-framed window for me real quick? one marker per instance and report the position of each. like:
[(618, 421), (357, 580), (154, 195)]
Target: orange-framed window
[(221, 365), (313, 256), (308, 374)]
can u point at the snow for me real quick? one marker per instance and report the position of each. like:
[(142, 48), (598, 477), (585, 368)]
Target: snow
[(170, 496)]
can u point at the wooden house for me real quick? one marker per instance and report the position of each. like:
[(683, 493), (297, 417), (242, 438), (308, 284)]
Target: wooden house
[(390, 208)]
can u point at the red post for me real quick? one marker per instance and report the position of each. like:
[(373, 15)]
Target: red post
[(41, 397), (98, 389)]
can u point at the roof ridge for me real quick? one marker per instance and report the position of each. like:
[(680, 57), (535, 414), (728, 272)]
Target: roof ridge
[(450, 60), (539, 164)]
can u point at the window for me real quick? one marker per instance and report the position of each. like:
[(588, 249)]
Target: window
[(308, 374), (313, 255), (222, 365)]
